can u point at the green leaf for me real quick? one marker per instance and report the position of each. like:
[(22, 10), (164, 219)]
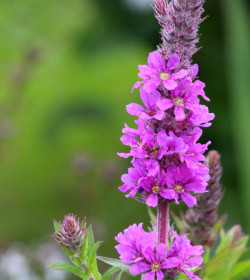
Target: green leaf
[(151, 214), (114, 263), (109, 273), (91, 260), (178, 222), (92, 254), (70, 268), (206, 256), (215, 263), (241, 270), (90, 239), (90, 250), (119, 276)]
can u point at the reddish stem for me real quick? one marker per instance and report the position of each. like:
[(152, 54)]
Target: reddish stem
[(163, 222)]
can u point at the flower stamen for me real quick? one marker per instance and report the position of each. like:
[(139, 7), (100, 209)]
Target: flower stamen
[(155, 267), (178, 101), (178, 189), (156, 189), (164, 76)]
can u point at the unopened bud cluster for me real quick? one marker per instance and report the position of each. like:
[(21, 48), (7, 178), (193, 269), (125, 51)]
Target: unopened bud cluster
[(180, 21), (72, 233)]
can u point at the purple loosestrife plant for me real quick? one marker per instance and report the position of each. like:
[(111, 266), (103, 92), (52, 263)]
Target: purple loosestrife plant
[(168, 167)]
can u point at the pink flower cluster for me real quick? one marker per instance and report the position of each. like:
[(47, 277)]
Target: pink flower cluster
[(140, 249), (167, 159)]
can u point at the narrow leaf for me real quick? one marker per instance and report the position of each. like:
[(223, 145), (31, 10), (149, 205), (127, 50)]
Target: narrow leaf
[(69, 268), (119, 276), (114, 263), (109, 273)]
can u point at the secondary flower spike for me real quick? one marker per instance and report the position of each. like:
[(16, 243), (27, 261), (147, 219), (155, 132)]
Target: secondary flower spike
[(201, 220)]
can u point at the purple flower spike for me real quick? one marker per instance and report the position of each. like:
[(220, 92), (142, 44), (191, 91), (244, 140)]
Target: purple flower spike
[(157, 72)]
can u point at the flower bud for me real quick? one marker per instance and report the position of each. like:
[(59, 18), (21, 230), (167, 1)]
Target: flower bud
[(71, 233)]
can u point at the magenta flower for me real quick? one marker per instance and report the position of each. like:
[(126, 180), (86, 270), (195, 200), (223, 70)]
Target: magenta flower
[(195, 151), (157, 72), (149, 100), (188, 255), (132, 243), (131, 179), (201, 117), (170, 144), (146, 147), (156, 189), (153, 263), (183, 181), (184, 97)]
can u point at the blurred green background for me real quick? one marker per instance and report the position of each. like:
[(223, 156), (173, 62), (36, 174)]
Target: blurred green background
[(67, 69)]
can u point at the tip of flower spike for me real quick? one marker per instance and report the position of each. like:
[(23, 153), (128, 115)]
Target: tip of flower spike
[(70, 232)]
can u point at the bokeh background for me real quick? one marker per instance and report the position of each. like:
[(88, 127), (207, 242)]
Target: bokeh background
[(67, 69)]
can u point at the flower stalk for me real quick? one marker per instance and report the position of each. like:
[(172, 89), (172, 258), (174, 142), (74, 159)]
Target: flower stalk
[(163, 224)]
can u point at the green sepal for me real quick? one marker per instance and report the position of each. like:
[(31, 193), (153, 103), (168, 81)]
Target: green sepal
[(66, 251), (70, 268), (107, 275), (57, 226)]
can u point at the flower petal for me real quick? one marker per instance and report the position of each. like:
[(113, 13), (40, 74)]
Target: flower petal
[(136, 85), (135, 109), (173, 62), (179, 75), (160, 275), (189, 199), (170, 84), (161, 252), (170, 263), (152, 200), (168, 194), (179, 113), (139, 268), (164, 104), (156, 61), (149, 276), (195, 261), (151, 85)]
